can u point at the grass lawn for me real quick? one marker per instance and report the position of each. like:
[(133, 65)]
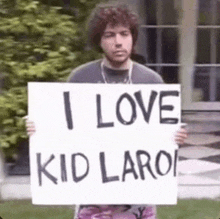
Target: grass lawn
[(25, 210), (191, 209), (185, 209)]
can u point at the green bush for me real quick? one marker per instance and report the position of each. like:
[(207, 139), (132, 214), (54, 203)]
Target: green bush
[(38, 42)]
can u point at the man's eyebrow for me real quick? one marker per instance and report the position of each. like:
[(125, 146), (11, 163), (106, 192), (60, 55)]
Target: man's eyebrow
[(109, 31), (112, 31)]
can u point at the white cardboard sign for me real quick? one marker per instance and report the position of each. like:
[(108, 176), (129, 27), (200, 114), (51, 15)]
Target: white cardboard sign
[(103, 144)]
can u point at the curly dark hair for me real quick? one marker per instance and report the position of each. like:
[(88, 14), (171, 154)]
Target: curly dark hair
[(113, 14)]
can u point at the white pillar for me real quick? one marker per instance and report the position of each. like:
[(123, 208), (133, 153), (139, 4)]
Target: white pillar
[(188, 19)]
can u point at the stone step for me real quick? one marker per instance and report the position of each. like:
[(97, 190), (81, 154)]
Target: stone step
[(199, 192), (201, 117), (202, 122), (16, 187)]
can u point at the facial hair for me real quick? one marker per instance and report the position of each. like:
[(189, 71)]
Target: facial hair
[(115, 63)]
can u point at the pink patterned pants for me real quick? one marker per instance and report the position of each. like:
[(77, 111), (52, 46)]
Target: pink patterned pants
[(116, 212)]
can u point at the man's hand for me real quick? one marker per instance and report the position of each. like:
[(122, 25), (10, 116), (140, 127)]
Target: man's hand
[(181, 136), (30, 126)]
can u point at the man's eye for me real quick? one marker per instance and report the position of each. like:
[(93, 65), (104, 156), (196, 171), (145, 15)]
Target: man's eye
[(107, 35), (126, 33)]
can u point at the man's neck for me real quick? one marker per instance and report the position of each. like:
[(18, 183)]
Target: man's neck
[(124, 65)]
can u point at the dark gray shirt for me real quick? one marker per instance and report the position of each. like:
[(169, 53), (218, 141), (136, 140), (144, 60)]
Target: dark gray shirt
[(91, 73)]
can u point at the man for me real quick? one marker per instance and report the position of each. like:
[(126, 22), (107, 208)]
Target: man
[(113, 30)]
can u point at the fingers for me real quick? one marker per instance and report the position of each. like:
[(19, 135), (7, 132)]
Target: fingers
[(181, 136), (30, 126)]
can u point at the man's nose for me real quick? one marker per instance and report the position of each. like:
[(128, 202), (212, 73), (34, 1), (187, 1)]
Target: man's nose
[(118, 40)]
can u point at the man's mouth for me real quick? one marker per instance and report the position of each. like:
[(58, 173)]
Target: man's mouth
[(120, 52)]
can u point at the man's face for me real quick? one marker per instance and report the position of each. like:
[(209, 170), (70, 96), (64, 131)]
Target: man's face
[(116, 43)]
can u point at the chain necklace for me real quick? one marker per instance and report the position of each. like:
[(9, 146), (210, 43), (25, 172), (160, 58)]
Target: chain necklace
[(129, 81)]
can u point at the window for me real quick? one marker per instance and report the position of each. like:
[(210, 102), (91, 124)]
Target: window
[(206, 76), (161, 31)]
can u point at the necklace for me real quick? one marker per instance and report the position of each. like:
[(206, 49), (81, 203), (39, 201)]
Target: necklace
[(129, 81)]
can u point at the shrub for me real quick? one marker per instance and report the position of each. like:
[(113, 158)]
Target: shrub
[(38, 42)]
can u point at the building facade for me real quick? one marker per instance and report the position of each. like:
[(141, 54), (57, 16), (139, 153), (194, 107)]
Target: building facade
[(180, 40)]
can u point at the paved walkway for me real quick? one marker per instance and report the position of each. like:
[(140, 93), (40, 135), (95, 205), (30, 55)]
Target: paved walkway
[(199, 158)]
